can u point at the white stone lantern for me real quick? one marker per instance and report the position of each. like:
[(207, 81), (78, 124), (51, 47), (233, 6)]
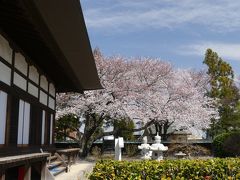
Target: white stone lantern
[(158, 148), (145, 149)]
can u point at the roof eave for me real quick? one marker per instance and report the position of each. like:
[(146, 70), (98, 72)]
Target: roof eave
[(66, 35)]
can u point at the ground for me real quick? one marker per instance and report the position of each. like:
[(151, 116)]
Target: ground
[(78, 171)]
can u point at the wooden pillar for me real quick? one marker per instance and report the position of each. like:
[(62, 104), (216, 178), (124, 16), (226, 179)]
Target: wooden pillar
[(69, 158), (2, 176), (43, 170), (74, 157), (27, 175)]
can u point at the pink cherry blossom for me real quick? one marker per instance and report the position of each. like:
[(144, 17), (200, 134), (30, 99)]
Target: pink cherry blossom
[(145, 89)]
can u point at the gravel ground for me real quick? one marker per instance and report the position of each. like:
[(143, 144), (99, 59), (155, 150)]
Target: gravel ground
[(78, 171)]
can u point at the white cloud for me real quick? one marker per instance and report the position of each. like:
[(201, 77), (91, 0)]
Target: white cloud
[(224, 50), (221, 15)]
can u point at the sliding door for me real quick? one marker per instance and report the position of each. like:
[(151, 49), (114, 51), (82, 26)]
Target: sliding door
[(3, 116), (23, 123), (47, 128)]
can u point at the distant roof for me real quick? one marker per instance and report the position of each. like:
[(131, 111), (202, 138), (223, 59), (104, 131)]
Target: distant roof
[(53, 35), (182, 132)]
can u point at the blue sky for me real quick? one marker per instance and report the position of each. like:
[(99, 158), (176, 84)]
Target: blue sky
[(178, 31)]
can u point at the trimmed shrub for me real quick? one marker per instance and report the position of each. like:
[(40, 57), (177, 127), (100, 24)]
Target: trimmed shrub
[(227, 144), (167, 169)]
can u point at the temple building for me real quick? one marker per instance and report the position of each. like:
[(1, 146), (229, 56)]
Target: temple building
[(44, 49)]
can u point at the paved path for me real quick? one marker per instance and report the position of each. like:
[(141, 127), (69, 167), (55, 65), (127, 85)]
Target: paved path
[(78, 171)]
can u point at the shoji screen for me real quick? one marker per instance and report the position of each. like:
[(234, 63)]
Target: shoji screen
[(43, 127), (3, 113), (23, 122)]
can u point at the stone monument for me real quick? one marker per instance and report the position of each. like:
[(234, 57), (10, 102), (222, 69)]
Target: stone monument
[(119, 144)]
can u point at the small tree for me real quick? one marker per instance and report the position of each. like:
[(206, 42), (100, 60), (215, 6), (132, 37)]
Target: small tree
[(124, 129), (66, 125)]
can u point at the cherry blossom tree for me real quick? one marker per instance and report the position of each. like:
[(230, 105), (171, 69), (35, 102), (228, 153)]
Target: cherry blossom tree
[(100, 107), (146, 89), (176, 97)]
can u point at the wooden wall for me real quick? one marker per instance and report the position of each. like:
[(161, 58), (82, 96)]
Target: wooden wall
[(27, 98)]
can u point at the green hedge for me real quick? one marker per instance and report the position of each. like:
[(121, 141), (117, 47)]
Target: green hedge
[(219, 169)]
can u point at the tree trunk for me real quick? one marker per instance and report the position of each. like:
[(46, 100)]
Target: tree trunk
[(65, 132), (84, 147), (165, 129), (87, 141)]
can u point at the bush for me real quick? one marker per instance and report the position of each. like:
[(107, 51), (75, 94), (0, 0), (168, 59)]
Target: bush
[(96, 151), (189, 149), (232, 145), (131, 149), (227, 144), (167, 169), (218, 142)]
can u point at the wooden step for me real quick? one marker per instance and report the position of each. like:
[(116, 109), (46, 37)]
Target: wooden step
[(54, 164), (57, 170)]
